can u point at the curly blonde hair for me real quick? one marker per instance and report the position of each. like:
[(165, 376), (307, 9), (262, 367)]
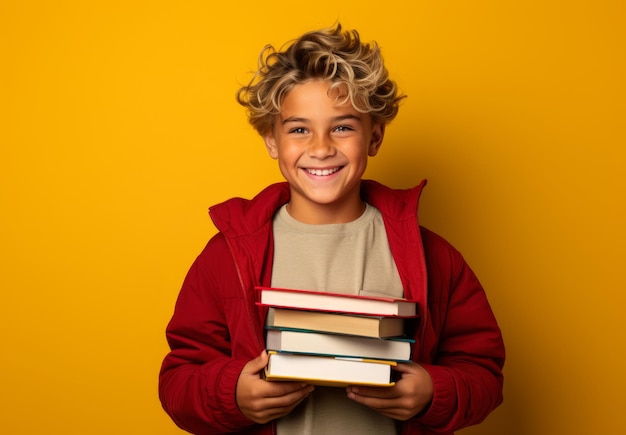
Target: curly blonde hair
[(330, 54)]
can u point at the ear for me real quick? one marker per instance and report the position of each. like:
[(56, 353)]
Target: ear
[(378, 133), (270, 144)]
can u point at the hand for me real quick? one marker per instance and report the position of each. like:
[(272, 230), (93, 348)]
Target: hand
[(262, 401), (408, 397)]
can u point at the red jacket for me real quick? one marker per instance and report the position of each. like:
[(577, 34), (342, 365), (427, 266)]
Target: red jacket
[(217, 328)]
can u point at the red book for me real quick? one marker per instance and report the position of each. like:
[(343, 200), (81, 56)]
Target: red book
[(336, 302)]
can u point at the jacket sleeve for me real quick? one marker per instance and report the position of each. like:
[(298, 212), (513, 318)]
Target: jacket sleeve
[(199, 375), (468, 357)]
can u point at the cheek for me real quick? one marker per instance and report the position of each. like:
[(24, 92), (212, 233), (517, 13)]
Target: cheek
[(289, 154), (287, 162), (359, 155)]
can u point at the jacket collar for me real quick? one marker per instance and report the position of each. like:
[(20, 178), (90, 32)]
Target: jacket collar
[(239, 216)]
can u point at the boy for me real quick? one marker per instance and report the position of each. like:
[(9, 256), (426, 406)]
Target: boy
[(321, 106)]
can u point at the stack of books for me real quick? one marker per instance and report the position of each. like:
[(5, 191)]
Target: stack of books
[(334, 339)]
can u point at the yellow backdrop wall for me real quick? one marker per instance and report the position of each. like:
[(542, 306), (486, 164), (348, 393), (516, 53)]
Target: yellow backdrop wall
[(118, 128)]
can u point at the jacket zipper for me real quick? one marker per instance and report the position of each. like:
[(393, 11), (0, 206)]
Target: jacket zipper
[(251, 317)]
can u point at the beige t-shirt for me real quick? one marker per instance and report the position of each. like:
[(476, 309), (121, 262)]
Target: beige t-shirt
[(342, 258)]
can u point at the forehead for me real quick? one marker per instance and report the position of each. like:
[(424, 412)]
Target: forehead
[(316, 94)]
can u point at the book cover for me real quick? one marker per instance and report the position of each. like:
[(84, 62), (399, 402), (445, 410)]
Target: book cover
[(313, 342), (328, 371), (336, 302), (338, 323)]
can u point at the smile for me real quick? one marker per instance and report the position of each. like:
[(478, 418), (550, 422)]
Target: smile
[(322, 172)]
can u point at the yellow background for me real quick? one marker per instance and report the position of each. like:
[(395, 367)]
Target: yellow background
[(118, 128)]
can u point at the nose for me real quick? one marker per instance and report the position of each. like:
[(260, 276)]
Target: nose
[(321, 147)]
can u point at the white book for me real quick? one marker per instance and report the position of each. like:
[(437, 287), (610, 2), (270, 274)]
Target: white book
[(311, 342), (329, 371)]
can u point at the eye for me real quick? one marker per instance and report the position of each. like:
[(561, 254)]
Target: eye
[(298, 130), (343, 128)]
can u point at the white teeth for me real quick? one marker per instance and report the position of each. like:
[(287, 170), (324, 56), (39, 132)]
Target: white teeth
[(322, 172)]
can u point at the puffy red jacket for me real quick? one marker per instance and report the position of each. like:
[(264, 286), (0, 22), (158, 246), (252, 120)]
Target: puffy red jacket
[(217, 328)]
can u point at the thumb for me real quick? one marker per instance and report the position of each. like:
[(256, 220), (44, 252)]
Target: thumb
[(257, 364)]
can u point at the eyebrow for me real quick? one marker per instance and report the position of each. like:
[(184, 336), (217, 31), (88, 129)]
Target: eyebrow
[(335, 119)]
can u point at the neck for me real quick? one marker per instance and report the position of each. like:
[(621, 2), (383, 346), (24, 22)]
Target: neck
[(321, 214)]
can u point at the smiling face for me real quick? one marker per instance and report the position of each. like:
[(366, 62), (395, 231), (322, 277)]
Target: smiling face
[(322, 149)]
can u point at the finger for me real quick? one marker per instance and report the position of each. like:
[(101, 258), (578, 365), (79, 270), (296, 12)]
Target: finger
[(373, 400), (379, 392), (257, 364), (286, 395), (396, 413), (376, 403), (409, 368), (281, 389), (407, 398), (269, 408), (389, 407)]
